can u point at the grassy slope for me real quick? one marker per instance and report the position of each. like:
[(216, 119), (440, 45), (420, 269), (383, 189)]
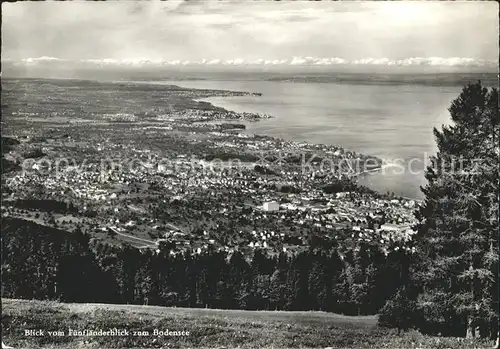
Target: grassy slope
[(208, 328)]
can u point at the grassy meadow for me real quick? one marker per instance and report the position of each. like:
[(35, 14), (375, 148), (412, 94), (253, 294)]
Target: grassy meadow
[(208, 328)]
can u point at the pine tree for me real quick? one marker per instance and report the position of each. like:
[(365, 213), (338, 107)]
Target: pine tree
[(238, 282), (319, 282), (277, 292), (204, 287), (399, 311), (301, 267), (260, 282), (458, 230)]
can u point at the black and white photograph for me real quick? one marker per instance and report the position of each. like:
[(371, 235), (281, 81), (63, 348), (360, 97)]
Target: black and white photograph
[(250, 174)]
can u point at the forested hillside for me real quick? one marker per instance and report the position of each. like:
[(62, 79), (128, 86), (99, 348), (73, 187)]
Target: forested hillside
[(46, 263)]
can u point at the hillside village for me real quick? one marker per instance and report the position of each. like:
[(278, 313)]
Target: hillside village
[(146, 179)]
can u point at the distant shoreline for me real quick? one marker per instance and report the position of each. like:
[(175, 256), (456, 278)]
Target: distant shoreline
[(248, 122), (209, 93)]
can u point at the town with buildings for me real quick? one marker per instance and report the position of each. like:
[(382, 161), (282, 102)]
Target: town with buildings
[(182, 175)]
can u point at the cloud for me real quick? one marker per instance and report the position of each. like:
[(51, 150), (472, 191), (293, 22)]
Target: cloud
[(250, 30), (294, 61)]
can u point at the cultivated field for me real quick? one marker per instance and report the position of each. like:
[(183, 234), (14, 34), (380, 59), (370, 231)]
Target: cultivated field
[(207, 328)]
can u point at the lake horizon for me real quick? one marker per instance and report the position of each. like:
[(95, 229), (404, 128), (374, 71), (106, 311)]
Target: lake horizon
[(393, 122)]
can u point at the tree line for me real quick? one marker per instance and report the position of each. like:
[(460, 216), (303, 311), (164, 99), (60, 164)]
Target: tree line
[(41, 262)]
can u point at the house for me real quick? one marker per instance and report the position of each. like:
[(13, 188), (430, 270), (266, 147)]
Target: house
[(271, 206), (390, 227)]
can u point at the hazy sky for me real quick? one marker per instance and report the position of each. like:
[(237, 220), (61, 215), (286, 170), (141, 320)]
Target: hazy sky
[(204, 29)]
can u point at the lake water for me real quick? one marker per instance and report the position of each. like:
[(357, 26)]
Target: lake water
[(393, 122)]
